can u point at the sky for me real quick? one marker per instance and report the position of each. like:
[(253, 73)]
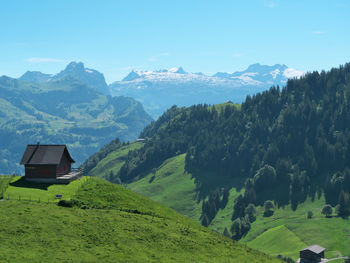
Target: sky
[(206, 36)]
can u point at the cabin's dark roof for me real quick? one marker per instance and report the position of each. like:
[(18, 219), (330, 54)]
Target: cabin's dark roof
[(44, 154), (315, 248)]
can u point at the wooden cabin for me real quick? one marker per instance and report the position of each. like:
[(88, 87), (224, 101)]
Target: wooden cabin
[(311, 254), (48, 163)]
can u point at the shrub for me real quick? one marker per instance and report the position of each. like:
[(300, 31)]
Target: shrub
[(268, 205), (309, 214), (250, 211), (327, 210)]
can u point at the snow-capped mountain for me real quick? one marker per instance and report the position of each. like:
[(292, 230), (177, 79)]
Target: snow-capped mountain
[(75, 70), (270, 75), (159, 90)]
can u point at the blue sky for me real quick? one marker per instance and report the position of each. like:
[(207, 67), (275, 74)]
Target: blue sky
[(209, 36)]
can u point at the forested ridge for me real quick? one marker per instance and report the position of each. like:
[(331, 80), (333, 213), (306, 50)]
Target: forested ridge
[(284, 145)]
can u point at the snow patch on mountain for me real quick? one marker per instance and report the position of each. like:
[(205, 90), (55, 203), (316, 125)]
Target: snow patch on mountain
[(292, 73)]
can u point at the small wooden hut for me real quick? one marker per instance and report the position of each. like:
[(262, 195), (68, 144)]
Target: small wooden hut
[(48, 164), (314, 253)]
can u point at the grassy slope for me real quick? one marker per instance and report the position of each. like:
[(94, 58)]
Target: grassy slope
[(4, 182), (278, 240), (169, 183), (113, 161), (172, 186), (331, 233), (123, 231)]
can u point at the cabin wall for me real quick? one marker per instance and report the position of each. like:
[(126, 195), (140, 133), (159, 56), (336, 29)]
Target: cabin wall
[(65, 165), (307, 254), (40, 171)]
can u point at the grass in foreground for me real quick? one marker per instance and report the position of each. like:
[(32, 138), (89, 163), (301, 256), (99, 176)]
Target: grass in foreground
[(40, 232)]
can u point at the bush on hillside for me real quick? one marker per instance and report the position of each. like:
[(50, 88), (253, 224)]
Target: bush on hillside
[(327, 210), (268, 206), (309, 214)]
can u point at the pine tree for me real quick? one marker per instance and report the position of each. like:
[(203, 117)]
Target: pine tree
[(205, 220), (343, 208), (226, 233)]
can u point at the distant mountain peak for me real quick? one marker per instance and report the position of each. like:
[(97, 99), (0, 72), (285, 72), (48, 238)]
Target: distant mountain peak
[(35, 76), (178, 70), (89, 77), (132, 76), (75, 66)]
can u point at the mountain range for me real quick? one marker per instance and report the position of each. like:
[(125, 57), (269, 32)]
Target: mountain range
[(75, 70), (159, 90)]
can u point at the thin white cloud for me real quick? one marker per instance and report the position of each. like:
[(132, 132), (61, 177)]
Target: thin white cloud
[(317, 32), (270, 4), (158, 56), (46, 60), (238, 55)]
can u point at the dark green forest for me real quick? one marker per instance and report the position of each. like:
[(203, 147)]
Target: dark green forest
[(285, 144)]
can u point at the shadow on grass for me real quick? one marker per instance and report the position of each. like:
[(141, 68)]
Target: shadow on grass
[(25, 184)]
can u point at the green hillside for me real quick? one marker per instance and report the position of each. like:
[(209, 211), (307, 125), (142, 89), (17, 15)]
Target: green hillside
[(287, 225), (171, 185), (4, 182), (108, 223), (107, 162), (169, 181), (278, 240)]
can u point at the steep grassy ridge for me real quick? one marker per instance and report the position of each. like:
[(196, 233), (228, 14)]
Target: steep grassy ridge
[(113, 161), (167, 183), (126, 227)]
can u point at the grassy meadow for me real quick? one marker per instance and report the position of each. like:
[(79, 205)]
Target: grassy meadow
[(285, 225), (20, 189)]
